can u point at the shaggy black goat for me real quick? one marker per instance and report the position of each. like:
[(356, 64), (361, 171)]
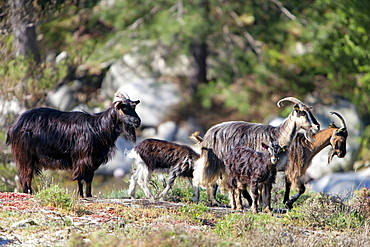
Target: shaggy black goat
[(158, 155), (249, 168), (77, 141)]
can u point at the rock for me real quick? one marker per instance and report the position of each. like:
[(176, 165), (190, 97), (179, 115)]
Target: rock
[(156, 99), (167, 131), (120, 163), (61, 57), (62, 98), (10, 110), (138, 74), (342, 184), (24, 223)]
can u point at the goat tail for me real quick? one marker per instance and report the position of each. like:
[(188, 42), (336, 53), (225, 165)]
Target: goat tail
[(132, 154), (196, 137), (205, 173)]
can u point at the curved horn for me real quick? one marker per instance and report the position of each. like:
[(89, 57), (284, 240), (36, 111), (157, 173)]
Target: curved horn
[(121, 95), (340, 117), (292, 99)]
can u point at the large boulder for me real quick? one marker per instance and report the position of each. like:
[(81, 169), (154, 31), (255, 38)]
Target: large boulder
[(157, 99), (10, 111), (62, 98), (140, 75), (342, 184)]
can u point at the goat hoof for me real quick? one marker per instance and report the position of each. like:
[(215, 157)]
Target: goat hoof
[(289, 205), (268, 210)]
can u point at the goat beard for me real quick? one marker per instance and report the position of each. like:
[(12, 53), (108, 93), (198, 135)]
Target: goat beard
[(332, 153), (308, 136)]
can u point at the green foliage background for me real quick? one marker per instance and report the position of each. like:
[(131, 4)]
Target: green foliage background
[(258, 51)]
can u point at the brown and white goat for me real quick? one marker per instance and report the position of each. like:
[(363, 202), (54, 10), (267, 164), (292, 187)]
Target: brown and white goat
[(301, 152), (224, 137), (249, 168), (162, 156)]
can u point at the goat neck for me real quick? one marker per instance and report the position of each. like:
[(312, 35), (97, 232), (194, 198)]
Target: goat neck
[(322, 140), (287, 131)]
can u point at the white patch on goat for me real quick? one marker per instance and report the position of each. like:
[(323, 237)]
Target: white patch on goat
[(309, 118), (198, 174), (141, 176), (131, 154)]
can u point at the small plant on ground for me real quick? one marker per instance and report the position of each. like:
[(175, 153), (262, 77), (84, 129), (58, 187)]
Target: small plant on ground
[(55, 196), (324, 211)]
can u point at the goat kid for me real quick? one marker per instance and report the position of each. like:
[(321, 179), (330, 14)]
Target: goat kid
[(154, 155), (249, 168), (222, 138), (301, 153), (44, 138)]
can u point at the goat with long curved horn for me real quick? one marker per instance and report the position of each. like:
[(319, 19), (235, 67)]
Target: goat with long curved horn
[(292, 99), (307, 110), (344, 126), (223, 137), (339, 133), (301, 153)]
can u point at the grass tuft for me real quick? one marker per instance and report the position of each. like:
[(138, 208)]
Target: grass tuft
[(55, 196)]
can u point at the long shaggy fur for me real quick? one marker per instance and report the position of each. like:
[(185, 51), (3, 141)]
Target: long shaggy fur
[(45, 138), (249, 168), (222, 138), (159, 155), (301, 153)]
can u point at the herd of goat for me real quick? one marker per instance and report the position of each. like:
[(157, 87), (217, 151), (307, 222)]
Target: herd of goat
[(239, 156)]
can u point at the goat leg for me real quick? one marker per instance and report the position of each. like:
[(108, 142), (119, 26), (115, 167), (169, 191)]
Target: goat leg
[(267, 197), (288, 184), (232, 198), (195, 193), (301, 190), (238, 199), (247, 196), (89, 176), (211, 192), (80, 187), (254, 192), (132, 187), (25, 179), (170, 182)]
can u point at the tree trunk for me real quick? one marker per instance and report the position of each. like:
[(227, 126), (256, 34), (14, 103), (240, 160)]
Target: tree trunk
[(24, 29), (199, 51)]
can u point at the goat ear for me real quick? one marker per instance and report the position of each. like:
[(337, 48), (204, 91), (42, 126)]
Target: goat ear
[(264, 146), (117, 104), (332, 125)]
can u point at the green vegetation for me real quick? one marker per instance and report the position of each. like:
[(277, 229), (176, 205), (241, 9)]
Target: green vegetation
[(318, 220), (258, 51), (55, 196)]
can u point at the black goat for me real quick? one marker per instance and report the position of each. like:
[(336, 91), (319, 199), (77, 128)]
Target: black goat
[(78, 141), (248, 167), (163, 156)]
